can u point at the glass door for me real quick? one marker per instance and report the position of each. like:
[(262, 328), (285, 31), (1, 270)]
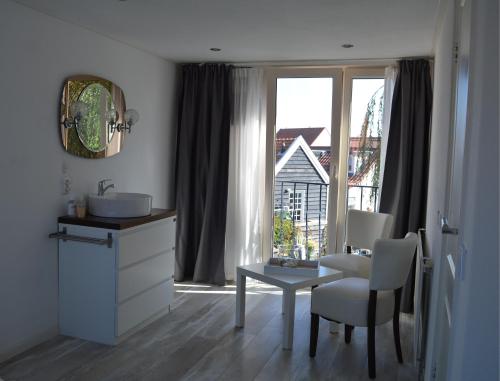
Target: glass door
[(362, 141), (365, 138), (303, 139)]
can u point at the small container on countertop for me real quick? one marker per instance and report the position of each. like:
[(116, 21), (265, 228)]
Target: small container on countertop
[(81, 208)]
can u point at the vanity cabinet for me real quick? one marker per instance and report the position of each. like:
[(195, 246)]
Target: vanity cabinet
[(119, 283)]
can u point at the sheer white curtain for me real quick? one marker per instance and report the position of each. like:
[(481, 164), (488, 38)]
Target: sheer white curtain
[(391, 72), (246, 170)]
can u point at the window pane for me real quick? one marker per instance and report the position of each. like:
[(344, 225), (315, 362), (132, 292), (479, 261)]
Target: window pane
[(367, 107), (303, 141)]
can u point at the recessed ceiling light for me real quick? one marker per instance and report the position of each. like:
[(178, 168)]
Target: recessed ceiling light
[(347, 46), (215, 49)]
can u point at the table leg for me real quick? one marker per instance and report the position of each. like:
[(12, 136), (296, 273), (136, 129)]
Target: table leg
[(283, 303), (289, 319), (240, 298)]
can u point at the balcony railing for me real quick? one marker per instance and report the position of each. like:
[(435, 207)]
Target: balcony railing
[(362, 197), (300, 215)]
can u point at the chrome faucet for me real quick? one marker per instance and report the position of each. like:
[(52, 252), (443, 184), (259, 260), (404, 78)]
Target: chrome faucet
[(101, 188)]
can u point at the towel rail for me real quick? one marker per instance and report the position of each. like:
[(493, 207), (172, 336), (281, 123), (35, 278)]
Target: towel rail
[(69, 237)]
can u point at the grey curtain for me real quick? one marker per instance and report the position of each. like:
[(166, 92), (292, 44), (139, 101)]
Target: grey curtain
[(202, 172), (404, 186)]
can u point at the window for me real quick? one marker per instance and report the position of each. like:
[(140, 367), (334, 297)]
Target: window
[(365, 133), (305, 115), (296, 205), (308, 108), (350, 164), (362, 108)]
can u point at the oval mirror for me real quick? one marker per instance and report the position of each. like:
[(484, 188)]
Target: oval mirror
[(93, 99)]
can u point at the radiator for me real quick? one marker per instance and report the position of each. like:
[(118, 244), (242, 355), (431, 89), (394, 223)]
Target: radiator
[(423, 276)]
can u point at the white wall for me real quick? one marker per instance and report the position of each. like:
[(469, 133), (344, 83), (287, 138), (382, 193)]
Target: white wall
[(37, 53)]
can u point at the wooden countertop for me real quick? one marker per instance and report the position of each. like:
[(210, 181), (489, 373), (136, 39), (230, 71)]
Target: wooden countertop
[(117, 223)]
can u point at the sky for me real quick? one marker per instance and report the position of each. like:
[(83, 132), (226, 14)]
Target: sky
[(307, 102)]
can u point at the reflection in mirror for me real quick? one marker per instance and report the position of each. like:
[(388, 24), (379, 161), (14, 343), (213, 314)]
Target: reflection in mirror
[(93, 130), (91, 136)]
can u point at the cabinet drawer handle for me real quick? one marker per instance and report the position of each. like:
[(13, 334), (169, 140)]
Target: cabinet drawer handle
[(173, 247)]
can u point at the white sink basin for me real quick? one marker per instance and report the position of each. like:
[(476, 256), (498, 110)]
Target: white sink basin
[(120, 205)]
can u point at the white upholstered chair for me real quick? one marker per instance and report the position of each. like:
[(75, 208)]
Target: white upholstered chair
[(367, 302), (362, 230)]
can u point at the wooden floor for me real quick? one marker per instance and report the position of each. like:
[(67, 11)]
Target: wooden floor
[(198, 341)]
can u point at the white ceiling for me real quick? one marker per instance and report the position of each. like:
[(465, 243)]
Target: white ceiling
[(257, 30)]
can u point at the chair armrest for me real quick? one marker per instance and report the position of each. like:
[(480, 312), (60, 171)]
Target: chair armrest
[(350, 264)]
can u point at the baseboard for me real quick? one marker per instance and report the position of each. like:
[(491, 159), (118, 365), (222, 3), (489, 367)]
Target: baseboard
[(24, 345)]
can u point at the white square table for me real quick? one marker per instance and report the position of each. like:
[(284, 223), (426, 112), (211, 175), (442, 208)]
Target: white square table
[(289, 283)]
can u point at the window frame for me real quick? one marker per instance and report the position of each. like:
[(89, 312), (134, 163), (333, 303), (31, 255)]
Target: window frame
[(341, 109), (272, 74), (349, 74)]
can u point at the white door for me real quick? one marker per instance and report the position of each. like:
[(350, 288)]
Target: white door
[(450, 268), (294, 201), (363, 88)]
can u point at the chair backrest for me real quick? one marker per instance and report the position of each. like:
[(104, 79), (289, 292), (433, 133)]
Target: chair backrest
[(391, 262), (364, 228)]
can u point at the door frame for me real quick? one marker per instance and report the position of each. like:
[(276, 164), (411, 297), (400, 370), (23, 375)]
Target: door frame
[(272, 74)]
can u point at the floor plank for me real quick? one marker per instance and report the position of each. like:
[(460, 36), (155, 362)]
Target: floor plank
[(198, 341)]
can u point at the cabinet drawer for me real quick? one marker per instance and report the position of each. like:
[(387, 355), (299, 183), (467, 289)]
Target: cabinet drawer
[(143, 306), (143, 275), (144, 243)]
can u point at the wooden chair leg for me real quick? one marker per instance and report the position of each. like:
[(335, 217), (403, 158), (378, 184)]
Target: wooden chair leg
[(314, 334), (395, 324), (372, 313), (347, 333)]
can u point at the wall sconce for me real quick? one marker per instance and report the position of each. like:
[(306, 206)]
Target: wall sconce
[(78, 110), (130, 118)]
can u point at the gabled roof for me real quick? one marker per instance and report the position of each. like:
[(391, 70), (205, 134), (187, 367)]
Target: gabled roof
[(309, 134), (354, 144), (300, 142), (325, 159), (363, 171), (286, 136)]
